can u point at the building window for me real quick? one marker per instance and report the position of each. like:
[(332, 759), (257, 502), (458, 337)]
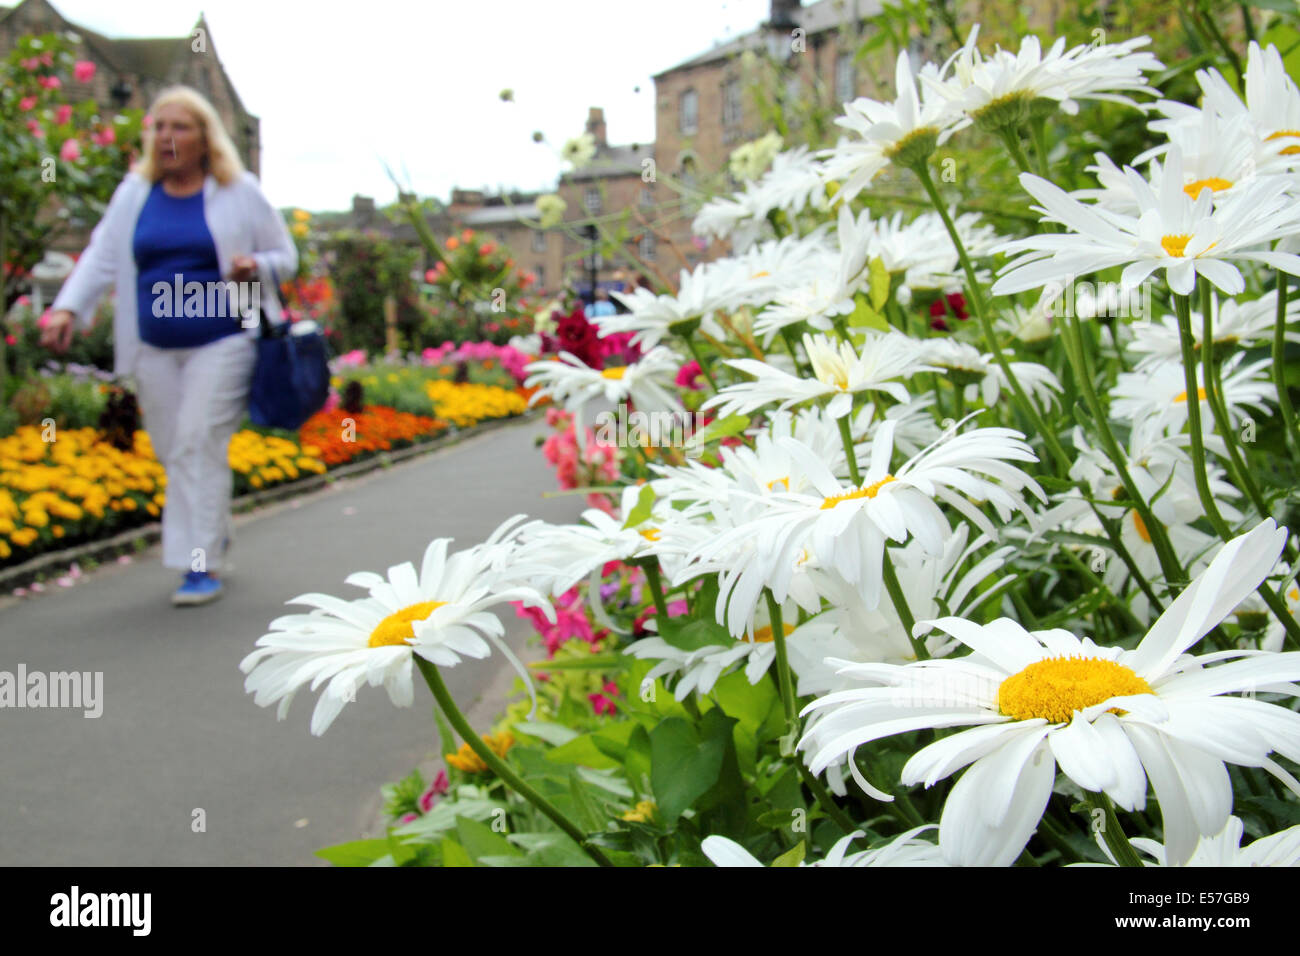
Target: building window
[(591, 199), (687, 174), (646, 247), (846, 78), (688, 113), (731, 104), (539, 240), (541, 276)]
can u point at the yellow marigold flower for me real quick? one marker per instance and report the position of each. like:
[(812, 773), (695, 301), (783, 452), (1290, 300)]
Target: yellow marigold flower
[(5, 550), (23, 537), (468, 761), (153, 509), (643, 812), (57, 530)]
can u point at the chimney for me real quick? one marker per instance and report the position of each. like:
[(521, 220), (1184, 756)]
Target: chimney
[(782, 15), (596, 125)]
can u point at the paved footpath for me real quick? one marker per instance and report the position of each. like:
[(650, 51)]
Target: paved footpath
[(179, 733)]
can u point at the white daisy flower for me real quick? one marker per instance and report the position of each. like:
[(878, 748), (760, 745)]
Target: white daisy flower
[(648, 382), (906, 849), (847, 528), (997, 89), (1185, 237), (902, 132), (1223, 849), (952, 355), (441, 613), (1110, 718), (1247, 324), (1159, 393), (840, 372)]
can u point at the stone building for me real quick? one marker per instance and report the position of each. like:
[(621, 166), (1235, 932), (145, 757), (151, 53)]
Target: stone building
[(131, 71)]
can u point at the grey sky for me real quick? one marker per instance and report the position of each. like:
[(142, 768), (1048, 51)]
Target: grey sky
[(342, 88)]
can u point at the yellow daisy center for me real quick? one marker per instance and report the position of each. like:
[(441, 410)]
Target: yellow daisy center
[(763, 635), (1290, 150), (397, 629), (868, 491), (1212, 183), (1055, 688), (1182, 396), (650, 534), (614, 373), (760, 274), (784, 482), (1175, 245)]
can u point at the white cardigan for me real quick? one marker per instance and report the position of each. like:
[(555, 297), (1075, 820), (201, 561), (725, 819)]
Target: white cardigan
[(242, 222)]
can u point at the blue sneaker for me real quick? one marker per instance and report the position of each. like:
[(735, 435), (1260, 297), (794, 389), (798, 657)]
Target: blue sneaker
[(199, 588)]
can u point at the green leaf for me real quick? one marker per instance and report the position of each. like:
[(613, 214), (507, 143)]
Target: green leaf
[(354, 853), (727, 427), (879, 284), (582, 750), (453, 854), (691, 635), (480, 840), (682, 766), (864, 316), (793, 856), (554, 734), (644, 504), (748, 703)]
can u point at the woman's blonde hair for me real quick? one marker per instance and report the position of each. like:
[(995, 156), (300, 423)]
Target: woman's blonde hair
[(221, 160)]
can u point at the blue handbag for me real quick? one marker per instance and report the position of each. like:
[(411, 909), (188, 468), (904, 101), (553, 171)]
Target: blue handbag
[(291, 380)]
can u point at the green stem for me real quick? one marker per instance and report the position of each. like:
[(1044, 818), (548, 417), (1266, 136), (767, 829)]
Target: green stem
[(1012, 139), (1111, 830), (900, 605), (1214, 397), (516, 783), (1129, 618), (1038, 136), (846, 438), (785, 682), (695, 354), (1169, 564), (1279, 367), (1183, 309), (655, 582)]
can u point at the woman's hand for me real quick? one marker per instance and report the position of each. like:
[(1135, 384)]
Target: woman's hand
[(243, 268), (57, 334)]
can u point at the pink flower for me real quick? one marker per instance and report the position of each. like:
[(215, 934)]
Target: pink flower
[(50, 82), (409, 818), (431, 275), (105, 137), (35, 129), (23, 300), (31, 64), (147, 121), (63, 114), (44, 320), (688, 376), (27, 103), (436, 789), (20, 592), (84, 71), (11, 339), (70, 151), (47, 59)]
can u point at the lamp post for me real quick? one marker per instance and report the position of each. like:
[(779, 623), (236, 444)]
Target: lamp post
[(590, 233)]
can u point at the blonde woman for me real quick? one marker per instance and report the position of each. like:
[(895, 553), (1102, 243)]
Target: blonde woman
[(187, 213)]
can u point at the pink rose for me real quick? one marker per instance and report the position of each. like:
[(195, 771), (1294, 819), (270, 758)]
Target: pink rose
[(70, 152), (105, 137), (35, 129), (31, 64), (63, 114), (50, 82), (84, 71), (431, 275), (27, 103), (23, 300), (11, 339)]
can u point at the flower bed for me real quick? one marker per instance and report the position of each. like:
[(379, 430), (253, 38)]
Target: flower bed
[(339, 436)]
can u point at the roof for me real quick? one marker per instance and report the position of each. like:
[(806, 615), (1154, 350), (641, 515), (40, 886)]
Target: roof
[(814, 18), (613, 161)]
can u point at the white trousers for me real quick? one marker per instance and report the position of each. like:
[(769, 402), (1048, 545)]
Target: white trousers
[(192, 400)]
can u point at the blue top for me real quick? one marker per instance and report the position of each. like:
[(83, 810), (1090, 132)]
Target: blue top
[(173, 246)]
